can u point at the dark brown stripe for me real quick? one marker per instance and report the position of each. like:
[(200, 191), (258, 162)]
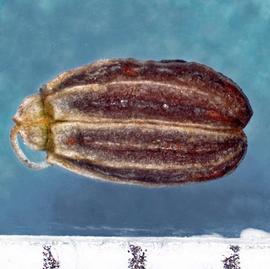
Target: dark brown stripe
[(165, 70), (126, 135), (149, 102), (155, 156)]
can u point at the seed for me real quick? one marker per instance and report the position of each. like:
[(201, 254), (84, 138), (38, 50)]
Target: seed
[(153, 122)]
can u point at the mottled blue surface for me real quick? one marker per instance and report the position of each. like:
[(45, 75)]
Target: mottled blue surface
[(39, 39)]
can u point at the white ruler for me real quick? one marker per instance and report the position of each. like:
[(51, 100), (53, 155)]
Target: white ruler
[(70, 252)]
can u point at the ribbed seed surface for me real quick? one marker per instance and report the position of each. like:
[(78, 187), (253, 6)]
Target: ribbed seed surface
[(146, 122)]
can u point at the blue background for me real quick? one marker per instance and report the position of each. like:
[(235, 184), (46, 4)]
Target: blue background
[(39, 39)]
